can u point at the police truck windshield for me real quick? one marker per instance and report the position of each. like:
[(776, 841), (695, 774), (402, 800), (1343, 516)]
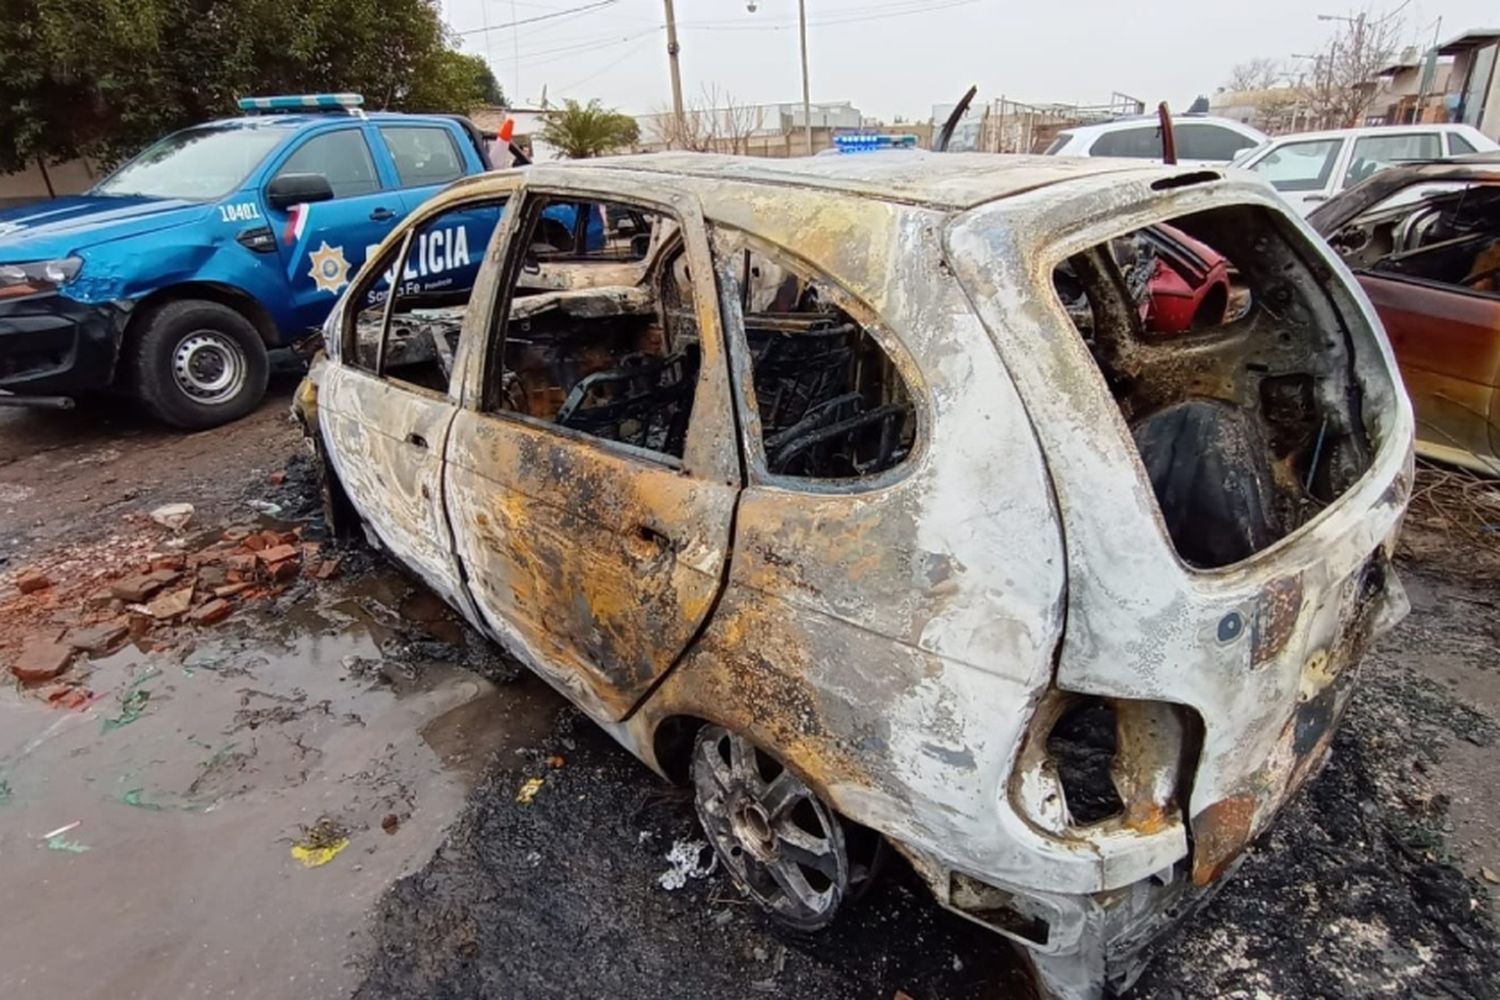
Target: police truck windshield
[(197, 163)]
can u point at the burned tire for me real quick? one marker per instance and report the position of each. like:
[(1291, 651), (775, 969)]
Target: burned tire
[(198, 364), (780, 843)]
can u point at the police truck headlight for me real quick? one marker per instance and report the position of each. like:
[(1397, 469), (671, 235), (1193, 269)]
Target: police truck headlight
[(37, 276)]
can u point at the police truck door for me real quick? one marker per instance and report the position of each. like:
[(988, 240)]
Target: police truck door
[(322, 244)]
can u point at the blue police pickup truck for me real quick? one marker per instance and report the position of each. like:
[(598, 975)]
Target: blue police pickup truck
[(173, 277)]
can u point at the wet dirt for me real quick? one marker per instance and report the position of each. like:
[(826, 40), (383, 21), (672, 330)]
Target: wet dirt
[(72, 474), (357, 708)]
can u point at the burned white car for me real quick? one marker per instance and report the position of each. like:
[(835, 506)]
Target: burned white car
[(872, 496)]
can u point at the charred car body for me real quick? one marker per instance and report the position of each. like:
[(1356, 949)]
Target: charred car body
[(1424, 241), (858, 492)]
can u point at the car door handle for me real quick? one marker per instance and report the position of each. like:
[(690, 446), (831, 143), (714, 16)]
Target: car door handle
[(381, 215), (416, 439)]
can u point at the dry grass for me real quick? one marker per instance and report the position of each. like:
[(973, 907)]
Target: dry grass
[(1453, 520)]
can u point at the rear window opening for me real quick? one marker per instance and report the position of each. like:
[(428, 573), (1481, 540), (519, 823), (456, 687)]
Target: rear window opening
[(1233, 370)]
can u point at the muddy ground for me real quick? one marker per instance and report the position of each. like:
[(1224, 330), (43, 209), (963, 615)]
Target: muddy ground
[(1375, 884)]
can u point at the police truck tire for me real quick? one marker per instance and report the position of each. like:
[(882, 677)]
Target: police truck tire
[(199, 364)]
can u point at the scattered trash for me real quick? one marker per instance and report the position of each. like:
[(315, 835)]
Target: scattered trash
[(528, 791), (173, 515), (316, 857), (555, 761), (132, 701), (56, 842), (1490, 876), (390, 822), (320, 843), (265, 507), (686, 857), (132, 797)]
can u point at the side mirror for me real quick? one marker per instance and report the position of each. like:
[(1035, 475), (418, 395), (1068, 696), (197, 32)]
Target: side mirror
[(296, 189)]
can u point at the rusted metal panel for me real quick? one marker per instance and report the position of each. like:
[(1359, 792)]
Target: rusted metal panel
[(899, 640), (1447, 341)]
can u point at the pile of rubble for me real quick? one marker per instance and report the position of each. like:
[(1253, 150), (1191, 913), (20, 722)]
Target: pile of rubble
[(151, 588)]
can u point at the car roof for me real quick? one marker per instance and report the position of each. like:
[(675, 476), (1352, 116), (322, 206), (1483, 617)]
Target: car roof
[(1135, 121), (296, 120), (1362, 130), (940, 180)]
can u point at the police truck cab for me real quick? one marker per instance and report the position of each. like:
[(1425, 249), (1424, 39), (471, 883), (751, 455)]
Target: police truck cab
[(173, 277)]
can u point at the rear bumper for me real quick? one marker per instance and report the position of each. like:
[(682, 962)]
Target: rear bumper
[(53, 345)]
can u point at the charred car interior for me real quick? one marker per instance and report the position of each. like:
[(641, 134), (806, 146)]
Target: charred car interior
[(1245, 416)]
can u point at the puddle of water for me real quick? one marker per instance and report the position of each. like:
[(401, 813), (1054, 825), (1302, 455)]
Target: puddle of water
[(195, 771)]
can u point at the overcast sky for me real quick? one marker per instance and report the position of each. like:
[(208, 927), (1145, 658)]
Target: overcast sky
[(899, 57)]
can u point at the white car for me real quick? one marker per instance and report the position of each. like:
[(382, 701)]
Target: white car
[(1310, 167), (1200, 139), (872, 493)]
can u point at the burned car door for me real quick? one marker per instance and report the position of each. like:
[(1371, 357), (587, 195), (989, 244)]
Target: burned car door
[(386, 408), (1430, 262), (591, 487), (1447, 342)]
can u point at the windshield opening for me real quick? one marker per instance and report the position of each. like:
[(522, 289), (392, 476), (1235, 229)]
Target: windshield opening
[(199, 164)]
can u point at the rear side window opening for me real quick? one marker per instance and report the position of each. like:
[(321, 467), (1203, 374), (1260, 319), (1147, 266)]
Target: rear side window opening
[(1233, 369)]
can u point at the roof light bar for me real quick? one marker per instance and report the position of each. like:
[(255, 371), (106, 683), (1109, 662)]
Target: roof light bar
[(301, 102), (869, 142)]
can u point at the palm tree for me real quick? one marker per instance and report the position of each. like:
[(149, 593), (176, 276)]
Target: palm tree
[(580, 131)]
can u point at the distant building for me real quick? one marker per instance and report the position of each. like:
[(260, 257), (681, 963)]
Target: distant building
[(774, 130), (1472, 95)]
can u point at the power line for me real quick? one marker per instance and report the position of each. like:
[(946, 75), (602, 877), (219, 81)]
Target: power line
[(540, 17)]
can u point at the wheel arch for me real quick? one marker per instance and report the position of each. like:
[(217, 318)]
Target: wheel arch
[(230, 296), (672, 745)]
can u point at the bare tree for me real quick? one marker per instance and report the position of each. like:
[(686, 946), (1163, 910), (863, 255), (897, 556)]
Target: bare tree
[(1343, 77), (1260, 73), (715, 122)]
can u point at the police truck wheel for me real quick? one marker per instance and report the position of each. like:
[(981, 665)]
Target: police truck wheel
[(199, 364)]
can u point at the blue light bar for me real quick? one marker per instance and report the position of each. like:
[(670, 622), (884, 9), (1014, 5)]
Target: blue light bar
[(869, 142), (300, 102)]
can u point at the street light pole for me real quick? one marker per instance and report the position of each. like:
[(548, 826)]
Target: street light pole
[(672, 49), (807, 131), (806, 90)]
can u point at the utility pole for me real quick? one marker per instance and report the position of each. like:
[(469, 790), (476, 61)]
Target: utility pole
[(806, 90), (672, 49)]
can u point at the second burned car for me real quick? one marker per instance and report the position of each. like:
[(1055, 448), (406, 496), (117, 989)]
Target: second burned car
[(859, 493)]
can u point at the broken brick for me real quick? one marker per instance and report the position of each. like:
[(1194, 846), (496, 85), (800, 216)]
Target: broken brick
[(229, 590), (211, 576), (215, 610), (240, 563), (283, 570), (278, 554), (138, 588), (41, 660), (176, 562), (278, 477), (171, 604), (327, 569), (254, 542), (99, 638), (237, 533), (32, 580)]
